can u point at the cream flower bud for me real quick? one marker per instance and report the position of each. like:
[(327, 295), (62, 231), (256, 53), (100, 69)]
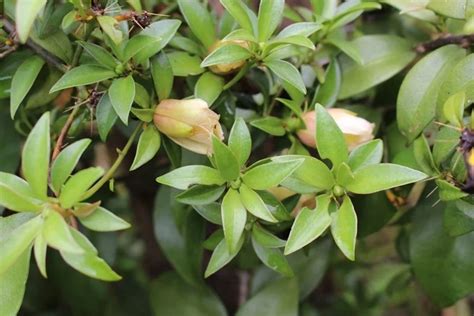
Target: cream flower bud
[(189, 123), (356, 130), (223, 69)]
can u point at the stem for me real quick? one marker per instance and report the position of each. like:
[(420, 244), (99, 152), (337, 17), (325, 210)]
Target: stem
[(64, 131), (237, 77), (110, 173), (463, 40)]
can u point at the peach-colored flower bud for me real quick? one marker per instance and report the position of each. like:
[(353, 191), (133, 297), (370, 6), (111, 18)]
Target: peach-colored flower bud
[(356, 130), (223, 69), (189, 123)]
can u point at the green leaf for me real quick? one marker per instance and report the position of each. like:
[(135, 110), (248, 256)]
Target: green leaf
[(436, 257), (40, 249), (287, 72), (221, 256), (384, 176), (83, 75), (72, 191), (100, 54), (17, 242), (420, 88), (423, 156), (109, 25), (270, 174), (313, 172), (454, 8), (211, 212), (199, 21), (445, 143), (225, 160), (366, 154), (273, 258), (448, 191), (265, 238), (347, 48), (90, 265), (279, 298), (329, 138), (180, 233), (453, 108), (240, 141), (102, 220), (148, 145), (65, 162), (170, 295), (200, 194), (138, 44), (208, 87), (183, 177), (26, 11), (23, 80), (382, 56), (254, 204), (242, 14), (184, 64), (270, 124), (16, 194), (162, 74), (226, 54), (163, 31), (270, 14), (344, 228), (327, 93), (301, 29), (309, 225), (13, 284), (122, 94), (57, 234), (35, 157), (105, 116), (459, 218), (234, 218)]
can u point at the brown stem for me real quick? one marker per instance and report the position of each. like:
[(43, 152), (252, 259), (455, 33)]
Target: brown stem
[(50, 59), (63, 133), (462, 40)]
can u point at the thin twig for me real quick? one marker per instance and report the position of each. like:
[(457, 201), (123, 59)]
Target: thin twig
[(50, 59), (64, 131), (462, 40)]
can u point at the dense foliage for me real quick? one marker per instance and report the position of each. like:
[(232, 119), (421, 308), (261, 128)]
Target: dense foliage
[(308, 158)]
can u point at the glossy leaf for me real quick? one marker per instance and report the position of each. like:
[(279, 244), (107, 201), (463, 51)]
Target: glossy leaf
[(265, 238), (148, 145), (162, 32), (183, 177), (309, 225), (327, 93), (288, 73), (26, 11), (83, 75), (102, 220), (221, 256), (109, 26), (72, 191), (199, 21), (184, 64), (106, 116), (329, 138), (270, 174), (23, 80), (122, 94), (65, 163), (200, 195), (226, 54), (35, 163), (344, 228), (90, 265), (423, 156), (254, 204), (208, 87), (240, 141), (270, 125), (225, 160), (378, 177), (269, 17), (234, 218), (100, 54), (242, 14), (272, 258), (16, 194), (366, 154), (57, 234), (162, 74)]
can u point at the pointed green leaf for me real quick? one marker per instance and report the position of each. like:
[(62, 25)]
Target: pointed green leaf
[(309, 225), (105, 116), (270, 124), (184, 64), (148, 145), (23, 80), (226, 54), (241, 13), (26, 11), (199, 21), (162, 31), (100, 54), (265, 238), (110, 27), (240, 141), (35, 157), (221, 256), (453, 108), (379, 177), (57, 234), (273, 258), (82, 76), (72, 191), (423, 156), (102, 220), (369, 153), (254, 204), (234, 218), (287, 72), (327, 92), (16, 194), (330, 141), (40, 248), (225, 160), (90, 265), (270, 174), (208, 87), (183, 177), (162, 74), (200, 194), (269, 17), (66, 161), (122, 94), (344, 228)]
